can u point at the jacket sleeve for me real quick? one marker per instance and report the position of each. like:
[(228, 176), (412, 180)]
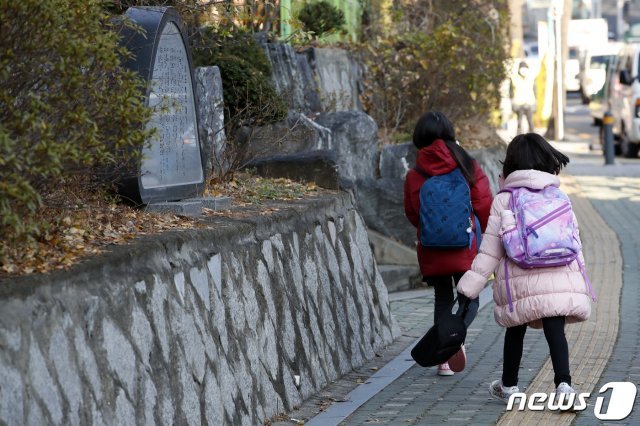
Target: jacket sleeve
[(409, 210), (481, 196), (485, 263)]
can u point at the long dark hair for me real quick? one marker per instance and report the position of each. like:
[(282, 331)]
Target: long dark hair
[(435, 125), (532, 151)]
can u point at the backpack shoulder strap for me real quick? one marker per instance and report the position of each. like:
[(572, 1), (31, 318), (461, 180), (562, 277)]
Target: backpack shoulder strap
[(512, 203)]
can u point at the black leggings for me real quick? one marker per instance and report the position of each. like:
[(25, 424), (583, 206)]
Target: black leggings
[(554, 333), (443, 287)]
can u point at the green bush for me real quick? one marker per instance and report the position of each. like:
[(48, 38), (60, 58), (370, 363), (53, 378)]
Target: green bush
[(249, 96), (67, 107), (321, 17)]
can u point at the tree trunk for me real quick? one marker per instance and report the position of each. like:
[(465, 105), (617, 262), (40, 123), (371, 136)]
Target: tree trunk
[(558, 113), (515, 28)]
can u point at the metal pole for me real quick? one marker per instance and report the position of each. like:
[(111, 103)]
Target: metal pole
[(596, 9), (619, 20), (607, 125), (285, 18), (559, 119)]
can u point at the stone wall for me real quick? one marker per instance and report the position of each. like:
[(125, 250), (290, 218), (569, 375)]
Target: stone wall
[(321, 88), (338, 76), (316, 79), (208, 82), (225, 325)]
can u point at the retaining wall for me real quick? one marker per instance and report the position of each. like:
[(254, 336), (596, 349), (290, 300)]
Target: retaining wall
[(227, 325)]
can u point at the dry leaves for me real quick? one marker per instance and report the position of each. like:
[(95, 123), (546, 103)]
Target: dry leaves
[(76, 233), (88, 228), (247, 189)]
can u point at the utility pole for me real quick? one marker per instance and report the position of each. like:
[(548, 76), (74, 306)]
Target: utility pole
[(285, 18), (596, 9), (558, 119), (559, 17), (619, 20)]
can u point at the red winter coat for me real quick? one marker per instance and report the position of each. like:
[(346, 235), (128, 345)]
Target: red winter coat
[(436, 159)]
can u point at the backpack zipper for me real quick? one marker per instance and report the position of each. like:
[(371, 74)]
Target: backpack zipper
[(531, 229)]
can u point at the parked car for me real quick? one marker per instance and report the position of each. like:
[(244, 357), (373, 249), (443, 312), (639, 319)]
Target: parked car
[(624, 100), (593, 69), (572, 71), (599, 102)]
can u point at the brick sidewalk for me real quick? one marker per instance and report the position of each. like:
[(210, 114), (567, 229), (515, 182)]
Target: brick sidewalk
[(619, 205)]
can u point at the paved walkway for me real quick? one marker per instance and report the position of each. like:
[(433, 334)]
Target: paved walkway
[(604, 349), (615, 194)]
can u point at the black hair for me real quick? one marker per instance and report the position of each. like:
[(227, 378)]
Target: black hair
[(532, 151), (435, 125)]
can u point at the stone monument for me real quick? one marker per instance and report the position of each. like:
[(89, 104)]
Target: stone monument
[(171, 165)]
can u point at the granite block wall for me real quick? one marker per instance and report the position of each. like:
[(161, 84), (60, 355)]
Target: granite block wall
[(226, 325)]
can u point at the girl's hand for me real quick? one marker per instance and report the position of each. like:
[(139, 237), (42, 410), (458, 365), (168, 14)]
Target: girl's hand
[(471, 284)]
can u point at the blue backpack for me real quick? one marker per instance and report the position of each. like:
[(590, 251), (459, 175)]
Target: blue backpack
[(446, 211)]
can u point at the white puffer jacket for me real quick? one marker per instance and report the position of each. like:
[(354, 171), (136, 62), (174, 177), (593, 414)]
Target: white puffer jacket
[(523, 90), (535, 293)]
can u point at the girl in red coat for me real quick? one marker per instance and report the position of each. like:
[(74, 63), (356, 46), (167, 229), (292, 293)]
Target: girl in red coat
[(439, 153)]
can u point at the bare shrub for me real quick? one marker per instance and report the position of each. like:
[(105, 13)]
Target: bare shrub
[(439, 55)]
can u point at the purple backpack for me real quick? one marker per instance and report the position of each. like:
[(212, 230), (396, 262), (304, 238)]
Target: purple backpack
[(542, 233)]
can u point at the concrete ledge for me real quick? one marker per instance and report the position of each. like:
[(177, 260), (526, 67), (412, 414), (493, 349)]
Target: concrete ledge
[(319, 167), (182, 208), (400, 278), (213, 203), (390, 252)]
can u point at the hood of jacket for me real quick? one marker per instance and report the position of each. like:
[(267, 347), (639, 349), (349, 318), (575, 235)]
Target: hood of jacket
[(533, 179), (436, 159)]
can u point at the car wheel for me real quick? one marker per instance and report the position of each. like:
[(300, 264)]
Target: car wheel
[(623, 145), (617, 151), (585, 98), (632, 150), (615, 141), (601, 136)]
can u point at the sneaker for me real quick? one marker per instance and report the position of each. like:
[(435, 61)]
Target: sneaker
[(444, 370), (500, 392), (458, 361), (565, 390)]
